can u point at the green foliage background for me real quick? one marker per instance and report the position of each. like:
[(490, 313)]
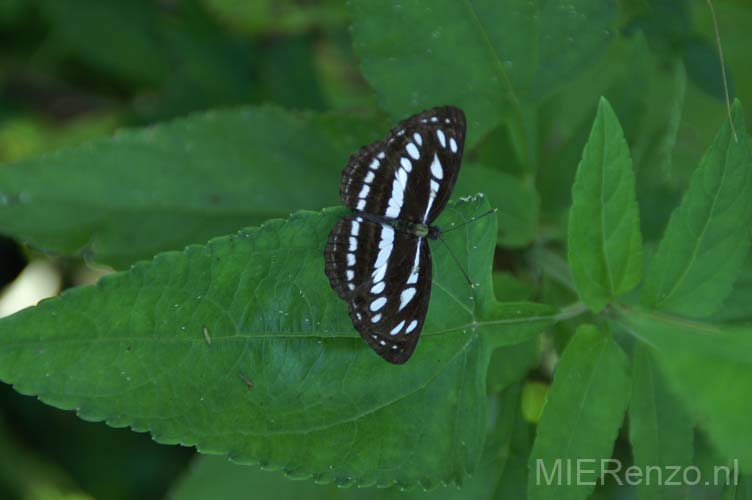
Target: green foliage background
[(195, 146)]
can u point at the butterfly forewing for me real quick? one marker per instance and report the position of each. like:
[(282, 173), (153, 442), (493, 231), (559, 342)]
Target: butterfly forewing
[(385, 277), (410, 175)]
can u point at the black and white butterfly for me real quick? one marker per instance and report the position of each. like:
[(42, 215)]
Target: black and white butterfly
[(378, 258)]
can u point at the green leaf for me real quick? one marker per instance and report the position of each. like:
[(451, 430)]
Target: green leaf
[(605, 246), (516, 200), (708, 236), (742, 490), (134, 53), (508, 287), (481, 55), (582, 415), (736, 306), (660, 429), (161, 188), (511, 364), (219, 479), (240, 347), (709, 368)]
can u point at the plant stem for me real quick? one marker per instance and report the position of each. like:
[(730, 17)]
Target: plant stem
[(572, 310)]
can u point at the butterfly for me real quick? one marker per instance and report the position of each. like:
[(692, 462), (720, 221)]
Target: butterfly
[(378, 259)]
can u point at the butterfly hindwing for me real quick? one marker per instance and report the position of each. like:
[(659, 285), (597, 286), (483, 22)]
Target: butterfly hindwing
[(409, 175), (385, 277)]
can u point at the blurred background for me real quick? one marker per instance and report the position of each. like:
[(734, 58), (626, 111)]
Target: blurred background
[(75, 70)]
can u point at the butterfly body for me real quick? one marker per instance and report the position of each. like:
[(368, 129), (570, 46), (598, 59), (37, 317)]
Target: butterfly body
[(378, 259)]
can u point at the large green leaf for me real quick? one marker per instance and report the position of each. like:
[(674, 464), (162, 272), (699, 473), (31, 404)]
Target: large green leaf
[(173, 347), (605, 247), (709, 366), (660, 429), (481, 55), (708, 236), (219, 479), (583, 412), (160, 188)]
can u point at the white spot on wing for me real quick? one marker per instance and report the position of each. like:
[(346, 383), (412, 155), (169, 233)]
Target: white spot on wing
[(418, 138), (369, 177), (353, 244), (387, 236), (434, 119), (413, 324), (395, 201), (376, 319), (378, 288), (397, 328), (406, 164), (406, 296), (350, 259), (355, 228), (436, 169), (361, 204), (413, 278), (350, 275), (379, 274), (377, 304), (383, 256), (364, 191), (375, 164), (441, 137), (413, 151), (453, 145)]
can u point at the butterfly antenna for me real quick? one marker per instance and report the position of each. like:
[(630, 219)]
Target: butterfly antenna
[(457, 261), (471, 220)]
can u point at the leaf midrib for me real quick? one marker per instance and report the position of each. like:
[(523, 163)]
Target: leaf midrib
[(282, 336)]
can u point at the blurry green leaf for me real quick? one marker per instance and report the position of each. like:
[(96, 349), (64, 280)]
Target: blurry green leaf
[(708, 235), (288, 75), (511, 364), (709, 367), (160, 188), (508, 288), (605, 248), (480, 55), (516, 201), (93, 30), (26, 475), (733, 18), (582, 415), (570, 37), (13, 10), (284, 381), (278, 16), (513, 482), (660, 430), (736, 308), (704, 67), (742, 490)]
